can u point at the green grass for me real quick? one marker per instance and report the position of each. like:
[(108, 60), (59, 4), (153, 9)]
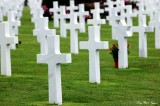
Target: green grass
[(28, 84)]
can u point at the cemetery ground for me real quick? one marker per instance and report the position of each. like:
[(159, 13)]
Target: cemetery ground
[(28, 85)]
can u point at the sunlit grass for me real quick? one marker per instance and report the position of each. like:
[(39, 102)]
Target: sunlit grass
[(28, 84)]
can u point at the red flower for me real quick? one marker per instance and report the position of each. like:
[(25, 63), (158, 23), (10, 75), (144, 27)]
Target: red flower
[(110, 49)]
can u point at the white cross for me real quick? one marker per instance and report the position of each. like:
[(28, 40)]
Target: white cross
[(72, 8), (5, 41), (142, 29), (13, 25), (54, 58), (141, 9), (1, 12), (38, 15), (42, 33), (113, 17), (63, 16), (94, 45), (82, 13), (123, 32), (157, 30), (73, 26), (109, 7), (127, 14), (55, 11), (96, 15)]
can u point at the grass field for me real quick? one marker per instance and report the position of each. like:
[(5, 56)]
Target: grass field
[(28, 85)]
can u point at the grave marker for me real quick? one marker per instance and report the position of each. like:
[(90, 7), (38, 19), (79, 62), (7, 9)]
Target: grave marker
[(123, 31), (5, 41), (94, 45), (96, 15), (42, 33), (157, 30), (142, 29), (73, 26), (55, 11), (63, 16), (54, 58), (13, 25), (72, 8), (82, 13)]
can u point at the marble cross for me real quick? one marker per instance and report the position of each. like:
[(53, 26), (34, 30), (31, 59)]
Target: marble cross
[(127, 14), (13, 25), (141, 7), (94, 45), (123, 31), (55, 11), (96, 21), (63, 16), (1, 12), (38, 15), (72, 8), (74, 26), (157, 30), (82, 13), (112, 17), (142, 29), (5, 41), (42, 33), (54, 59)]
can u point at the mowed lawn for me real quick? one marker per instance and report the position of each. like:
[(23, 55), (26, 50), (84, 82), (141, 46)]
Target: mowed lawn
[(28, 85)]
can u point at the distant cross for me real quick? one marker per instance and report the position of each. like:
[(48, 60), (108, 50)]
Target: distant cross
[(82, 13), (74, 26), (123, 32), (38, 15), (113, 17), (63, 16), (54, 59), (72, 8), (96, 21), (5, 41), (55, 11), (157, 30), (94, 45), (42, 33), (141, 9), (127, 14), (1, 12), (13, 25), (142, 29)]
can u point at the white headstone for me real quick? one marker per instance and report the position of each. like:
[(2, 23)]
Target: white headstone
[(1, 12), (72, 8), (13, 24), (157, 30), (5, 41), (38, 15), (82, 13), (54, 58), (142, 29), (94, 45), (112, 17), (42, 33), (63, 16), (73, 26), (123, 32), (96, 15), (55, 11)]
